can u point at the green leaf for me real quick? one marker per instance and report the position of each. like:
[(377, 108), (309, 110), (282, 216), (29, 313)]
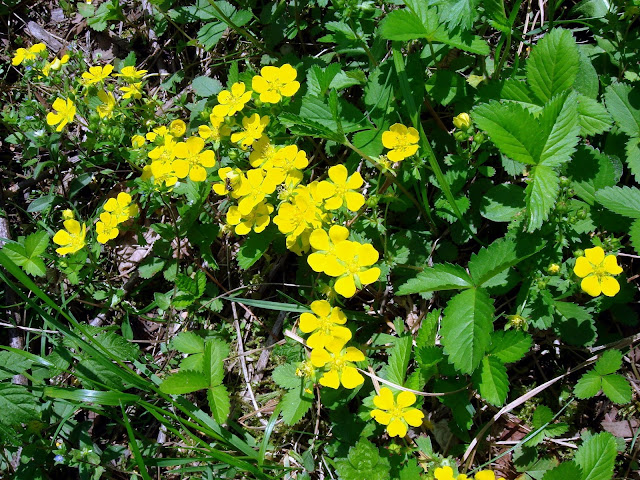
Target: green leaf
[(609, 362), (466, 328), (553, 65), (17, 405), (118, 345), (596, 457), (36, 244), (35, 267), (285, 376), (511, 128), (497, 16), (633, 157), (219, 403), (617, 388), (492, 381), (594, 118), (295, 403), (541, 416), (185, 381), (150, 266), (12, 364), (456, 13), (399, 357), (590, 171), (541, 194), (588, 386), (442, 276), (254, 247), (587, 82), (634, 235), (502, 202), (206, 87), (188, 342), (564, 471), (624, 201), (577, 326), (99, 397), (215, 352), (559, 121), (510, 345), (623, 102), (16, 253), (363, 461)]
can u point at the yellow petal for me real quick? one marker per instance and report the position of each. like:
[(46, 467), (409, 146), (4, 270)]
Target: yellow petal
[(345, 286), (62, 237), (355, 201), (406, 399), (444, 473), (485, 475), (316, 261), (389, 139), (352, 354), (321, 308), (367, 255), (197, 173), (381, 417), (338, 174), (397, 428), (330, 379), (583, 267), (320, 357), (384, 399), (595, 255), (351, 378), (369, 276), (338, 233), (413, 417), (610, 286), (308, 322), (611, 265), (319, 240), (591, 285)]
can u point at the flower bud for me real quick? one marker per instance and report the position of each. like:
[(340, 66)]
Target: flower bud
[(578, 253), (462, 121), (460, 136), (553, 269)]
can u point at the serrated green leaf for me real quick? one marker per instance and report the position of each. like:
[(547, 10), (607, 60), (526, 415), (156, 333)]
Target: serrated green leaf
[(540, 195), (624, 201), (634, 235), (588, 386), (17, 405), (36, 244), (542, 415), (492, 381), (564, 471), (194, 362), (16, 253), (205, 86), (596, 457), (553, 65), (12, 364), (511, 345), (150, 266), (593, 117), (577, 326), (295, 403), (285, 376), (633, 157), (215, 352), (442, 276), (616, 388), (609, 362), (363, 461), (502, 203), (456, 13), (497, 15), (118, 345), (184, 381), (188, 342), (466, 328), (95, 374), (590, 171), (219, 403), (560, 126), (587, 82), (35, 267), (399, 357), (623, 102)]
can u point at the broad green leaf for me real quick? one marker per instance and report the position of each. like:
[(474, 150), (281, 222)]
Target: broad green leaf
[(17, 405), (634, 235), (633, 157), (205, 86), (623, 103), (94, 373), (596, 457), (541, 194), (503, 202), (215, 352), (16, 253), (617, 388), (466, 328), (35, 267), (590, 171), (518, 91), (559, 122), (511, 128), (553, 65), (442, 276), (188, 342), (319, 79), (12, 364), (363, 461), (624, 201), (565, 471), (254, 247), (492, 381), (36, 244), (285, 376), (541, 416), (497, 16), (510, 345), (588, 386), (295, 403), (399, 356), (184, 381), (456, 13), (587, 82), (577, 326), (593, 117), (609, 362), (118, 345), (219, 403)]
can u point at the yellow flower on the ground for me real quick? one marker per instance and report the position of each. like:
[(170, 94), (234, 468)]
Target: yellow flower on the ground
[(216, 130), (231, 102), (55, 65), (462, 121), (132, 90), (71, 238), (231, 181), (302, 213), (486, 475), (164, 153), (289, 161), (107, 227), (65, 113), (395, 412), (162, 172), (253, 127), (353, 267), (263, 153), (273, 83), (255, 188), (446, 473), (191, 160), (121, 207), (324, 245), (131, 74), (338, 362), (96, 74), (27, 54), (402, 141), (596, 272), (257, 219), (108, 104), (326, 325), (341, 189)]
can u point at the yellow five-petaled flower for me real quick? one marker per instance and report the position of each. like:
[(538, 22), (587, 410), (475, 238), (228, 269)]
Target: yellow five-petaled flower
[(273, 83), (71, 238), (65, 113), (596, 272), (402, 141), (395, 412), (338, 360)]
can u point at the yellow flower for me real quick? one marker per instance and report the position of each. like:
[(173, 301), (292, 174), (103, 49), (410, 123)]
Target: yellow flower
[(27, 54), (462, 121), (96, 74), (121, 208), (402, 141), (164, 153), (257, 219), (486, 475), (255, 188), (231, 180), (216, 130), (595, 270), (340, 190), (304, 212), (137, 141), (306, 369), (232, 101), (177, 128), (133, 90), (324, 245), (55, 65), (70, 239), (446, 473), (352, 267), (66, 111), (326, 325), (338, 360), (162, 172), (289, 161), (192, 160), (253, 128), (273, 83), (108, 104), (395, 412), (131, 74), (263, 153), (553, 269), (68, 214), (107, 227)]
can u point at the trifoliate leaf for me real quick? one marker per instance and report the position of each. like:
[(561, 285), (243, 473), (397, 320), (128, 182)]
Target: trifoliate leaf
[(541, 416), (616, 388), (560, 129), (510, 345), (442, 276), (206, 87), (564, 471), (609, 362), (596, 457), (36, 244), (590, 171), (215, 352), (624, 201), (492, 381)]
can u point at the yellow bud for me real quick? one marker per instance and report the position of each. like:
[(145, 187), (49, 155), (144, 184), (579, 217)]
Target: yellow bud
[(462, 121), (67, 214), (553, 268)]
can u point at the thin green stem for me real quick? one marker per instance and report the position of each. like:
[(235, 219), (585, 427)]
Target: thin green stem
[(239, 30)]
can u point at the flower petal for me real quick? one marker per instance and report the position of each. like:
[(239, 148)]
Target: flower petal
[(352, 354), (583, 267), (413, 417), (381, 417), (351, 378), (406, 399), (369, 276), (62, 237), (345, 286), (321, 308), (330, 379), (308, 322), (384, 399), (595, 255), (611, 265), (444, 473), (397, 428), (320, 357), (591, 285), (485, 475), (367, 255), (319, 240), (338, 174), (355, 201), (610, 286)]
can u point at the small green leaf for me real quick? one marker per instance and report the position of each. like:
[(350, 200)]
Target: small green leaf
[(185, 381), (560, 129), (609, 362), (36, 244), (399, 356), (442, 276), (12, 364), (285, 376), (205, 86), (590, 171), (295, 403), (502, 203), (17, 405), (254, 247), (492, 381), (363, 461), (616, 388), (219, 403), (541, 194), (35, 267), (633, 157), (596, 457), (565, 471), (510, 345), (188, 342), (594, 118), (634, 235), (588, 386), (623, 102), (624, 201), (215, 352), (16, 253)]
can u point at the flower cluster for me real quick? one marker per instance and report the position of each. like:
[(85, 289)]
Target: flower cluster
[(116, 211), (29, 55), (446, 473)]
